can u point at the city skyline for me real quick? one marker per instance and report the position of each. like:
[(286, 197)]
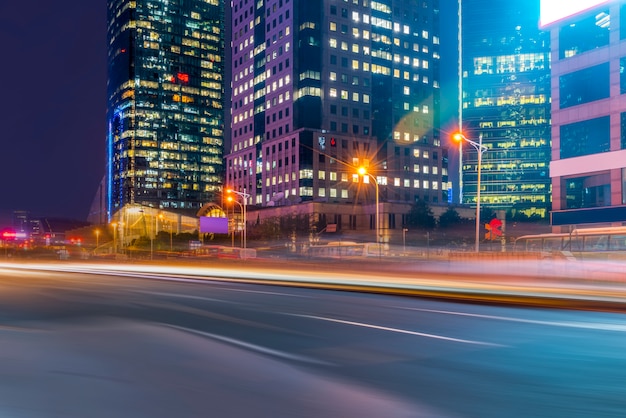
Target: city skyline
[(54, 139)]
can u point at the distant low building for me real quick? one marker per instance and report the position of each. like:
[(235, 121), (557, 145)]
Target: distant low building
[(43, 230)]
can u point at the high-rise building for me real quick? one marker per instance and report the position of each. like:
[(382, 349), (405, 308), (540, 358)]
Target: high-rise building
[(588, 167), (506, 100), (320, 88), (165, 103)]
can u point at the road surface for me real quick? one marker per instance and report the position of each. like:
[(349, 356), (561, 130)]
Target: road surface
[(79, 344)]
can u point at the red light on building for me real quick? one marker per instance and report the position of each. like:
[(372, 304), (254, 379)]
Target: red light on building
[(333, 142), (8, 235), (183, 77)]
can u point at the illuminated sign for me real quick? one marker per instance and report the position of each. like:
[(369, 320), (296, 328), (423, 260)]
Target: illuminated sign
[(555, 10), (213, 225), (8, 235)]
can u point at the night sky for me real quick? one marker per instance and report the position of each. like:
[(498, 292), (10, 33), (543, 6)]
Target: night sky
[(52, 140)]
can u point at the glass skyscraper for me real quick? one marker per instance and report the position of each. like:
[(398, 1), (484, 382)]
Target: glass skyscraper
[(323, 87), (165, 103), (506, 99)]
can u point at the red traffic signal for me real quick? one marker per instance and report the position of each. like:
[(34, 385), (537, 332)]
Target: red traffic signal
[(494, 229)]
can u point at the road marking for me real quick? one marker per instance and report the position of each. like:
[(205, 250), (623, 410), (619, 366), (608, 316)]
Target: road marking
[(178, 295), (401, 331), (254, 347), (264, 292), (582, 325)]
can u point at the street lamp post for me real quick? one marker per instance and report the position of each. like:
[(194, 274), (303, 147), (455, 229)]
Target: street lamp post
[(114, 225), (97, 240), (171, 236), (153, 237), (230, 199), (404, 231), (169, 223), (480, 148), (460, 172), (363, 172), (244, 197)]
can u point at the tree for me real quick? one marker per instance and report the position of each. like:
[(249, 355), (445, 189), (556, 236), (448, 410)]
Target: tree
[(450, 218), (486, 214), (421, 216)]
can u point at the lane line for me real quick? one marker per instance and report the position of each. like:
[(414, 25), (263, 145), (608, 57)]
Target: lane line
[(253, 347), (398, 330), (178, 295), (174, 278), (265, 292), (581, 325)]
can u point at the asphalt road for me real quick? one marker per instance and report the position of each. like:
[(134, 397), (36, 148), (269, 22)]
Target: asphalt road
[(84, 345)]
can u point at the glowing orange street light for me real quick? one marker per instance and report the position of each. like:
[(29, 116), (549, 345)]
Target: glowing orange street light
[(244, 197), (97, 231), (363, 172), (480, 148), (114, 226), (233, 200)]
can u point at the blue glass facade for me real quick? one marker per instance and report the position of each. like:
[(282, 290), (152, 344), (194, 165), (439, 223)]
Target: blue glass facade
[(506, 99), (165, 103)]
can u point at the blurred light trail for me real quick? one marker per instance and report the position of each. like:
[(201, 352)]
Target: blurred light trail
[(401, 331), (582, 325)]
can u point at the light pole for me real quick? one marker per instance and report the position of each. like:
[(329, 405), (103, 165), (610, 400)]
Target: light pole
[(404, 231), (480, 148), (97, 240), (460, 172), (169, 224), (114, 225), (363, 172), (153, 236), (171, 236), (460, 94), (232, 200), (244, 197)]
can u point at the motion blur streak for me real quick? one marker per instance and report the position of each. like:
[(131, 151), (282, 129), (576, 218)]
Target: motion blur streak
[(583, 325), (401, 331), (108, 345), (253, 347)]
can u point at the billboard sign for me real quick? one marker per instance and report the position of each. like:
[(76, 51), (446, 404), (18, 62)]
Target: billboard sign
[(209, 225), (555, 10)]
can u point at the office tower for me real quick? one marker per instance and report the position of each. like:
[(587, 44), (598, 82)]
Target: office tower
[(320, 88), (588, 167), (506, 100), (165, 103)]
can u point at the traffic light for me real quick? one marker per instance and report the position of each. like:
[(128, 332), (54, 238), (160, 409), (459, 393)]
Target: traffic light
[(333, 142), (494, 229)]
